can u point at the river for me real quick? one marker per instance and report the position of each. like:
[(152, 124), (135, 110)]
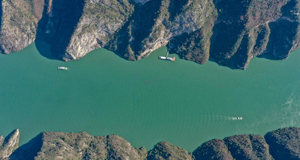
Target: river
[(147, 101)]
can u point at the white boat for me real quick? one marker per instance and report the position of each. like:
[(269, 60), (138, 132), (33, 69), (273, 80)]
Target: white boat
[(237, 118), (170, 59), (167, 58), (62, 68), (162, 57)]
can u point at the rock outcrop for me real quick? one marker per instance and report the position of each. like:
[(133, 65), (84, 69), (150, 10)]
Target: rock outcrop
[(9, 144), (248, 147), (18, 23), (215, 150), (248, 29), (284, 143), (59, 145), (75, 28), (230, 32), (165, 150), (281, 144)]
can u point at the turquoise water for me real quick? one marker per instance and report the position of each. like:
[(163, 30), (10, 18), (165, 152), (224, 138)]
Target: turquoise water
[(146, 101)]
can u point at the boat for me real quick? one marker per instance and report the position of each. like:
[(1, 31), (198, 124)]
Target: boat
[(167, 58), (62, 68), (237, 118), (171, 59), (162, 57)]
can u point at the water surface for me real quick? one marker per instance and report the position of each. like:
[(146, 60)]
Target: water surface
[(146, 101)]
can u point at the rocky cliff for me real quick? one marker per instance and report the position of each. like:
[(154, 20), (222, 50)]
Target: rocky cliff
[(229, 32), (281, 144), (9, 144)]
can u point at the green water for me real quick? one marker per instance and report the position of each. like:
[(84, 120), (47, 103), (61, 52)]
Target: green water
[(146, 101)]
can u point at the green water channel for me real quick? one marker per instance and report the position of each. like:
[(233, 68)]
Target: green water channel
[(146, 101)]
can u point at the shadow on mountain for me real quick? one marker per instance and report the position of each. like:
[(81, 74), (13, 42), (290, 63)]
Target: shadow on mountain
[(227, 33), (0, 14), (41, 36), (57, 26), (119, 44), (8, 137), (283, 32), (176, 7), (44, 49), (29, 150), (269, 57), (1, 50), (128, 42), (187, 44), (145, 17)]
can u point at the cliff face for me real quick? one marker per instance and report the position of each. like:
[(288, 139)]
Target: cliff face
[(281, 144), (231, 32)]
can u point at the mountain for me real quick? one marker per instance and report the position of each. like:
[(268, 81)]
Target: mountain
[(229, 32), (281, 144)]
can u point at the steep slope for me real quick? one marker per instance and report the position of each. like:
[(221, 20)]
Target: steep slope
[(229, 32)]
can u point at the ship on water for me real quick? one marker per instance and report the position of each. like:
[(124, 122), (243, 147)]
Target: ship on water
[(167, 58), (62, 68), (237, 118)]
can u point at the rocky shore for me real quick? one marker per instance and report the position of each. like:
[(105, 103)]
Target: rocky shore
[(229, 32), (281, 144)]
